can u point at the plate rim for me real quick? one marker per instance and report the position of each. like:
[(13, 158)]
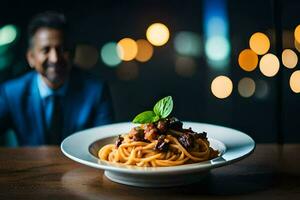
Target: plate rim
[(91, 161)]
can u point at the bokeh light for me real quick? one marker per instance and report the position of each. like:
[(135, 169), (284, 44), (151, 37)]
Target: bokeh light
[(216, 34), (297, 45), (8, 34), (185, 66), (220, 65), (128, 71), (217, 48), (246, 87), (127, 49), (221, 87), (269, 65), (187, 43), (158, 34), (248, 60), (145, 50), (5, 60), (217, 24), (3, 49), (262, 89), (109, 54), (86, 56), (259, 43), (289, 58), (295, 81), (297, 33)]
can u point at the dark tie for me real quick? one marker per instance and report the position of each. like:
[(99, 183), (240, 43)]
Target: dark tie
[(54, 133)]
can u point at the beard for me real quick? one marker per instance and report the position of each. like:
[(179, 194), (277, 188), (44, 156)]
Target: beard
[(56, 73)]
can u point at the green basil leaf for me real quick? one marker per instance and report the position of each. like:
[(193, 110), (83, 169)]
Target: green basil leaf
[(146, 117), (163, 107)]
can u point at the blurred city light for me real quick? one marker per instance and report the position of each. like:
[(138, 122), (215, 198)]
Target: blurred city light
[(145, 50), (109, 54), (259, 43), (8, 34), (3, 49), (86, 56), (216, 36), (246, 87), (127, 49), (158, 34), (262, 89), (289, 58), (248, 60), (221, 87), (297, 45), (217, 48), (185, 66), (269, 65), (217, 23), (188, 44), (5, 60), (295, 81), (297, 33)]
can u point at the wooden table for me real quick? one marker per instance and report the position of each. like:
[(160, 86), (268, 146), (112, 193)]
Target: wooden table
[(271, 172)]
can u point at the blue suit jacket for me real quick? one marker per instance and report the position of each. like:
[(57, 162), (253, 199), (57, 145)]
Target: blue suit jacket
[(86, 104)]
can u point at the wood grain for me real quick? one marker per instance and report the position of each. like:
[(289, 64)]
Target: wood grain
[(271, 172)]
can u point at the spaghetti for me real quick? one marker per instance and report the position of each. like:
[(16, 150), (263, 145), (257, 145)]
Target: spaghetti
[(153, 145)]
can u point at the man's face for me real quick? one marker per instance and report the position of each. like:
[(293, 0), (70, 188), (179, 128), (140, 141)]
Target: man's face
[(49, 57)]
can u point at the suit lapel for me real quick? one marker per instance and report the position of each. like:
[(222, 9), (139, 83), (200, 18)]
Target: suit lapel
[(71, 107), (35, 105), (68, 113)]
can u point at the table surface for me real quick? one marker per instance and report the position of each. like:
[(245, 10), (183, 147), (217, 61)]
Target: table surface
[(270, 172)]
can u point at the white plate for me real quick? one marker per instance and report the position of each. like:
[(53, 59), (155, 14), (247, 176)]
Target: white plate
[(83, 147)]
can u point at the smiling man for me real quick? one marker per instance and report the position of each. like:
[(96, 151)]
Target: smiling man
[(47, 54), (55, 99)]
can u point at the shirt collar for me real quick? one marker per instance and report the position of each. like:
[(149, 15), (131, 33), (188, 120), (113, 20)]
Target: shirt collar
[(46, 91)]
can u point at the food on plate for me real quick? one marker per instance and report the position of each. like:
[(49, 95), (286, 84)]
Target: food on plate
[(159, 141)]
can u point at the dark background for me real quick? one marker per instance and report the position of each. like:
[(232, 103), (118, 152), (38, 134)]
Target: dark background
[(97, 22)]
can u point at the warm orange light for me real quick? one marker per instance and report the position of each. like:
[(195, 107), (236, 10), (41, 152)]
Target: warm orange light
[(289, 58), (127, 49), (259, 43), (145, 50), (246, 87), (221, 87), (269, 65), (297, 45), (158, 34), (297, 33), (248, 60), (295, 81)]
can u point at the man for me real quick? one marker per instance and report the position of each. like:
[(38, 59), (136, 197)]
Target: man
[(55, 100)]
